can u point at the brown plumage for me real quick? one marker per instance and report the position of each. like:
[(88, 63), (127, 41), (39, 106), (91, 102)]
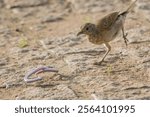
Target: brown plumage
[(106, 29)]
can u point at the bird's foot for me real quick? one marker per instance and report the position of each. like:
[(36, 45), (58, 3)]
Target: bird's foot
[(97, 63), (125, 38)]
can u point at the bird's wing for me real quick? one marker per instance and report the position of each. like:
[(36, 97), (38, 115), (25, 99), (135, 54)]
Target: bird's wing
[(106, 22)]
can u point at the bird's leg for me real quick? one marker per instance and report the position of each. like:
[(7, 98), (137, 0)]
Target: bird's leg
[(108, 50), (124, 36)]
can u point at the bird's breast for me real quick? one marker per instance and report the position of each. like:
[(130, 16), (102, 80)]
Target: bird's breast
[(95, 40)]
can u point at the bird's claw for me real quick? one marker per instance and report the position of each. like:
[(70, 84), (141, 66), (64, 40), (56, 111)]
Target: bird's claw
[(97, 63)]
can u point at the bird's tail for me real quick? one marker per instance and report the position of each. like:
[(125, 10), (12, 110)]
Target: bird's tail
[(129, 8)]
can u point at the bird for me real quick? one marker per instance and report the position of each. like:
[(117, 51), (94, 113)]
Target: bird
[(106, 29)]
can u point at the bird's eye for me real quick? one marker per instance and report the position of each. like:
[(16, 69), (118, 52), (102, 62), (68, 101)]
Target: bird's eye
[(87, 28)]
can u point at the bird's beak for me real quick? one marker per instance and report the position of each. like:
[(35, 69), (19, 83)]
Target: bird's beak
[(79, 33)]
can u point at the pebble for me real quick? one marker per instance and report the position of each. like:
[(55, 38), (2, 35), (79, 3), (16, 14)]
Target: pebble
[(51, 18), (3, 44), (3, 61), (1, 3), (24, 50), (3, 71), (39, 55), (145, 7), (24, 3)]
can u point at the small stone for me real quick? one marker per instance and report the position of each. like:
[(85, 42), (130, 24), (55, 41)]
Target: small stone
[(3, 61), (1, 3), (2, 44), (145, 7), (39, 56), (24, 50), (146, 60), (48, 41), (3, 71), (51, 18), (24, 3)]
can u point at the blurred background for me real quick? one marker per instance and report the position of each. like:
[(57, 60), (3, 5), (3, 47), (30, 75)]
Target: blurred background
[(43, 33)]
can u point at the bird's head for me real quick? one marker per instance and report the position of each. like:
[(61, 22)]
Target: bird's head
[(87, 29)]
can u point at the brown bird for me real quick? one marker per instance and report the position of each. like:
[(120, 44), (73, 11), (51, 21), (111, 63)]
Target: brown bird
[(106, 29)]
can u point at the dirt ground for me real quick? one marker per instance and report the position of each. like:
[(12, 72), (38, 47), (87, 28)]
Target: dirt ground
[(37, 33)]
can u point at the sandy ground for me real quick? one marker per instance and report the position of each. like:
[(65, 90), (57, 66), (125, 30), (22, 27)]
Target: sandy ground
[(27, 24)]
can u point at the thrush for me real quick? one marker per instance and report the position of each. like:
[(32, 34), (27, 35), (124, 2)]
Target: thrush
[(106, 29)]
